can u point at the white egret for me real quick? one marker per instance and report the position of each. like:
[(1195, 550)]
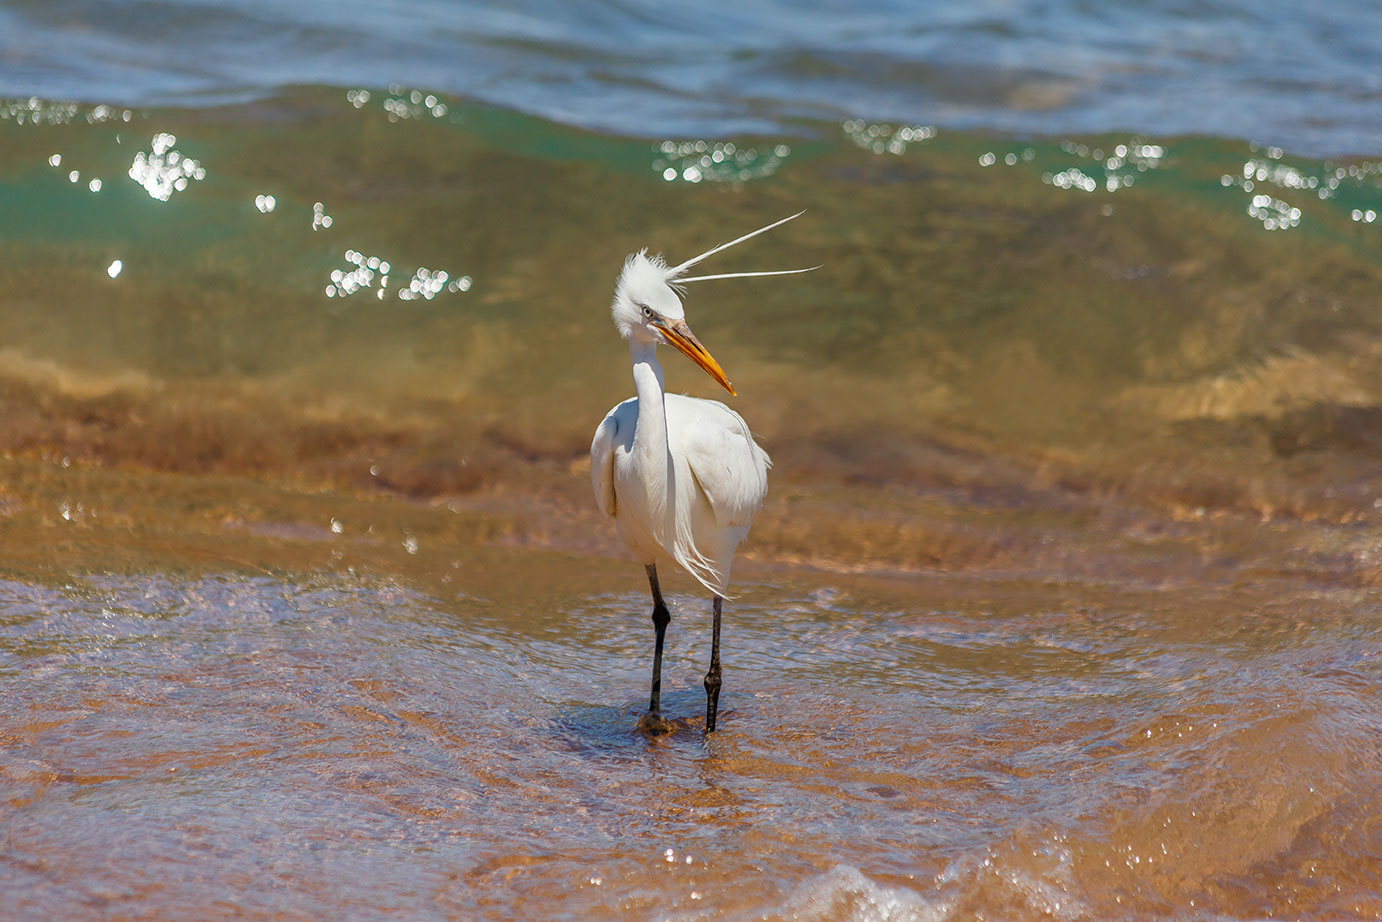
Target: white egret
[(681, 477)]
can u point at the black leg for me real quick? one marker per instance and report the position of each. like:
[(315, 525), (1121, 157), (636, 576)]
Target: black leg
[(652, 721), (712, 678)]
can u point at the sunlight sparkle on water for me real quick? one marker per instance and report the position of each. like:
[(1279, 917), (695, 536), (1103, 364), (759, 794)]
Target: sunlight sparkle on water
[(265, 203), (1326, 184), (104, 113), (716, 161), (163, 170), (1274, 213), (36, 111), (402, 104), (989, 158), (427, 284), (320, 219), (1112, 170), (346, 282), (883, 138), (115, 268)]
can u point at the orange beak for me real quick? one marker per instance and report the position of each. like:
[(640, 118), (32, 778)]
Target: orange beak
[(679, 335)]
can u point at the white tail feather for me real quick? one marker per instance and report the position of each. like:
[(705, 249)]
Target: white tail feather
[(702, 570)]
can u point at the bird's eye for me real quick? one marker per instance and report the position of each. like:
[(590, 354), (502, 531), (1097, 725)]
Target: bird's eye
[(647, 312)]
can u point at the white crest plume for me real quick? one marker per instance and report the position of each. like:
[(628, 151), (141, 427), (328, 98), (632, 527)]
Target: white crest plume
[(674, 273)]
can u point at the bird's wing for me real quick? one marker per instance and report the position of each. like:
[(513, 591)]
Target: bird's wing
[(729, 467), (602, 462)]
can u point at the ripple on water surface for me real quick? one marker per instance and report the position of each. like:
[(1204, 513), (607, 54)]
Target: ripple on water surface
[(358, 749)]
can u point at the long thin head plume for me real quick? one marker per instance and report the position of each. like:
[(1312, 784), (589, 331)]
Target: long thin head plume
[(674, 274)]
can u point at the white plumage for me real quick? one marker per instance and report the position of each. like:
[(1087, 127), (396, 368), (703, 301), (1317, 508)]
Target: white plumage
[(692, 507), (682, 477)]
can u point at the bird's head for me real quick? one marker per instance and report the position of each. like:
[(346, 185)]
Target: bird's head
[(647, 308)]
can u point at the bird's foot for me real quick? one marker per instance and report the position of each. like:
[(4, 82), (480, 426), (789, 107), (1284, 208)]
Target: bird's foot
[(654, 724)]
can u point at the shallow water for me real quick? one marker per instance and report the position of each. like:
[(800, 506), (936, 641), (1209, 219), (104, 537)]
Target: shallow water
[(1064, 602), (354, 748)]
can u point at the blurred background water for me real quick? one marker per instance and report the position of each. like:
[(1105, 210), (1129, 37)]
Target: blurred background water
[(1065, 600), (1301, 76)]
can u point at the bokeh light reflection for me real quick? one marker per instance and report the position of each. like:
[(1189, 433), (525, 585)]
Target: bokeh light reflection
[(360, 277), (1110, 171), (401, 103), (428, 283), (361, 272), (37, 111), (883, 138), (1273, 213), (716, 161), (164, 170), (1265, 167)]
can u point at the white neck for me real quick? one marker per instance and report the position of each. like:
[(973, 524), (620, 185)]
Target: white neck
[(650, 448)]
